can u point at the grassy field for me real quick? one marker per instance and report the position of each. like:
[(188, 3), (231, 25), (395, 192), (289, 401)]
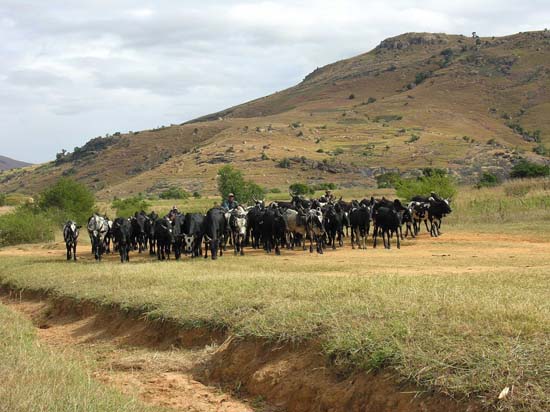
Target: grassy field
[(37, 379), (467, 313)]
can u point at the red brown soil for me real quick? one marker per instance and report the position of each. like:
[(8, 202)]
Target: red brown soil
[(183, 370)]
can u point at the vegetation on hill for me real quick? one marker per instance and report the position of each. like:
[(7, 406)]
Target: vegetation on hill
[(34, 223), (69, 200), (231, 180), (432, 180), (528, 169), (127, 207)]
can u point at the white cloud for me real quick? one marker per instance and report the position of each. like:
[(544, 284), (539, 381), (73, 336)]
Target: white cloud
[(73, 72)]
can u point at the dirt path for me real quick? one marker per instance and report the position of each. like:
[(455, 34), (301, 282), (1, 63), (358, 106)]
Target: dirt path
[(158, 378)]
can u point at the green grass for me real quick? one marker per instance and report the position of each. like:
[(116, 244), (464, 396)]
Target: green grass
[(37, 379), (26, 226)]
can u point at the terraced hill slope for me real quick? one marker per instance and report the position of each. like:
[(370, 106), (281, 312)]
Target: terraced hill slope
[(417, 100)]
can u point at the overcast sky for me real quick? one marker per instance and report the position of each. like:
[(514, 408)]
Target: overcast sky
[(72, 72)]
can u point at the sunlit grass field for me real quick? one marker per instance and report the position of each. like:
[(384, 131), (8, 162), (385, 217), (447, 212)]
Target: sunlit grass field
[(467, 313)]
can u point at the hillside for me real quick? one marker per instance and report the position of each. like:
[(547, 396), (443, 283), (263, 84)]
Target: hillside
[(417, 100), (7, 163)]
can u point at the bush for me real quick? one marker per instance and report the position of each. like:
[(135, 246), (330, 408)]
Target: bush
[(196, 195), (284, 163), (526, 169), (413, 138), (487, 180), (26, 225), (174, 193), (351, 96), (2, 199), (68, 199), (338, 151), (231, 180), (540, 149), (434, 180), (420, 77), (324, 186), (127, 207), (275, 190), (388, 180), (371, 100), (301, 189)]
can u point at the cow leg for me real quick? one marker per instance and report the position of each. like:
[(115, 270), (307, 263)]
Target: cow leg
[(206, 249), (398, 243), (74, 251)]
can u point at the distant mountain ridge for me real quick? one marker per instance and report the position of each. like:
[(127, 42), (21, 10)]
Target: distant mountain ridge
[(7, 163), (467, 104)]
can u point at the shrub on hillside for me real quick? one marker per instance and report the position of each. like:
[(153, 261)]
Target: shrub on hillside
[(2, 199), (324, 186), (231, 180), (67, 199), (127, 207), (26, 225), (433, 180), (540, 149), (284, 163), (301, 189), (388, 180), (197, 195), (487, 180), (174, 193), (527, 169)]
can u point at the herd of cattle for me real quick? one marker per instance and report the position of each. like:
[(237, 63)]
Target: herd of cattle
[(272, 227)]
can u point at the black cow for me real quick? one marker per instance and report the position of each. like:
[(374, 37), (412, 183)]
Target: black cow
[(360, 217), (164, 237), (438, 209), (213, 231), (70, 235), (122, 234), (346, 207), (150, 232), (334, 224), (273, 229), (192, 233), (177, 224), (407, 220), (139, 240), (387, 221), (253, 229)]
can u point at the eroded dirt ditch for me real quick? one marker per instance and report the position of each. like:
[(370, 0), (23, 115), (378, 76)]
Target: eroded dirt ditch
[(201, 370)]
